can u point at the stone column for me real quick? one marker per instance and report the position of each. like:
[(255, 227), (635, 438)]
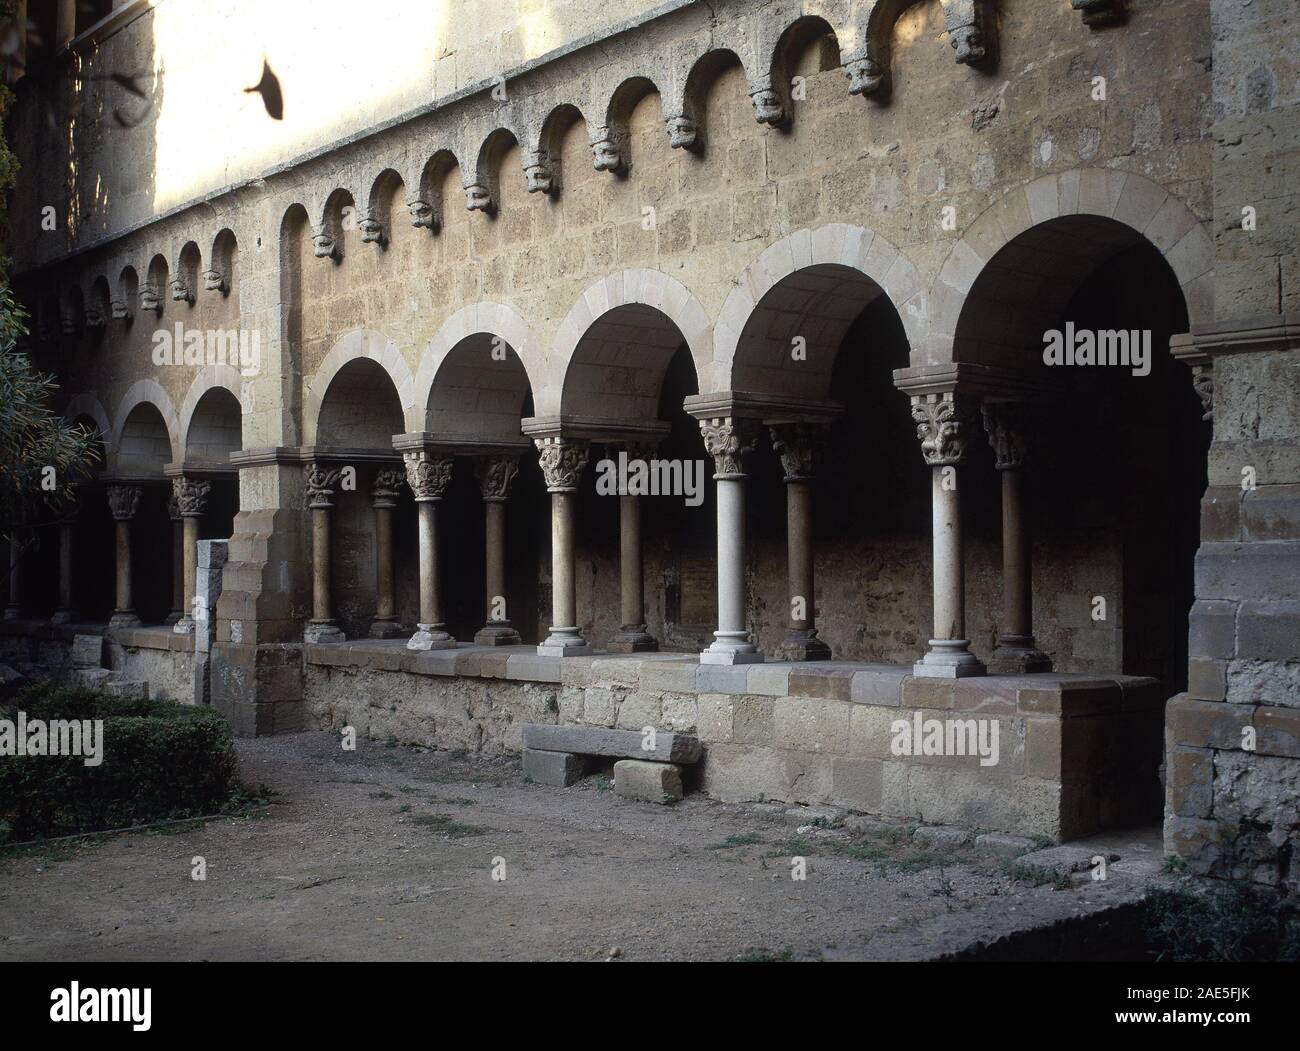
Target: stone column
[(178, 560), (726, 439), (383, 498), (798, 445), (123, 502), (14, 607), (563, 461), (191, 501), (67, 611), (495, 473), (320, 482), (632, 635), (1015, 652), (942, 422), (428, 475)]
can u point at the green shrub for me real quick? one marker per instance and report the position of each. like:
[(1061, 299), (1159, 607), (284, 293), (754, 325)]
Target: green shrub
[(160, 760), (1228, 923)]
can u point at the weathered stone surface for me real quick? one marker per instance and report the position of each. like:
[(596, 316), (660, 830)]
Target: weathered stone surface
[(1003, 845), (554, 768), (668, 747), (652, 782), (939, 837), (88, 651)]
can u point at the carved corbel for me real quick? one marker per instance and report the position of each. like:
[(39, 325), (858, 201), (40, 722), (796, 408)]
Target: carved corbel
[(118, 310), (769, 108), (478, 198), (866, 75), (94, 318), (372, 228), (969, 29), (150, 299), (214, 281), (683, 133), (607, 149), (68, 322), (323, 243), (181, 291), (539, 172), (423, 215)]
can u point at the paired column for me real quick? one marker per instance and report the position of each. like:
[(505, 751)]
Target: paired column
[(178, 560), (798, 445), (1016, 652), (726, 439), (495, 474), (383, 497), (191, 500), (942, 425), (563, 461), (428, 474), (319, 483), (123, 503), (66, 612), (632, 635)]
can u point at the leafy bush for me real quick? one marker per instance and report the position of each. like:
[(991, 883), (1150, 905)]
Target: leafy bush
[(1230, 923), (160, 760)]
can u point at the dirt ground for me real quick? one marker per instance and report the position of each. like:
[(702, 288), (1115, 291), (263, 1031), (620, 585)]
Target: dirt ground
[(389, 853)]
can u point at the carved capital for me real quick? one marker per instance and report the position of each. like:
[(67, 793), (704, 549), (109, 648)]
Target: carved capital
[(181, 291), (1098, 13), (319, 483), (607, 149), (941, 424), (494, 474), (191, 496), (124, 501), (683, 134), (727, 439), (1203, 382), (1007, 427), (799, 445), (427, 474), (173, 507), (563, 461), (387, 487), (641, 448)]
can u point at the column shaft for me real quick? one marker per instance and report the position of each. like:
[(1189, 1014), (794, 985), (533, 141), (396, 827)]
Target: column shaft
[(563, 461), (320, 483), (632, 635), (178, 571), (428, 474), (798, 445), (66, 612)]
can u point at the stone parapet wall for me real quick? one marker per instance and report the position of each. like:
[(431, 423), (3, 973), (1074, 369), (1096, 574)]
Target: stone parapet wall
[(811, 733)]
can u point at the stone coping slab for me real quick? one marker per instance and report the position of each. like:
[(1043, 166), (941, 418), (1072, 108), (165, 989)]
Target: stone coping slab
[(1065, 695), (668, 747)]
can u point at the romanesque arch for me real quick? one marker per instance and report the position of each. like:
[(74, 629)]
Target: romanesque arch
[(145, 392), (358, 343)]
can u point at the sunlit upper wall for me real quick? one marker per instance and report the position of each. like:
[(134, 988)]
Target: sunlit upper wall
[(343, 65)]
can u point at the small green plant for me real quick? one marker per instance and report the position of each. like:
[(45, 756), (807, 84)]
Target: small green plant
[(741, 839), (381, 795), (1227, 923), (1036, 875), (766, 956), (1174, 864)]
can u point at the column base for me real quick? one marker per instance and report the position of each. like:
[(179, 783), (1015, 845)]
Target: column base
[(388, 628), (802, 644), (323, 631), (564, 642), (948, 659), (732, 647), (430, 637), (13, 613), (124, 618), (632, 638), (1017, 655), (172, 617), (65, 616), (497, 633), (184, 626)]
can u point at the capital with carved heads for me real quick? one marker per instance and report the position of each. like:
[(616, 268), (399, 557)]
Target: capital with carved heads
[(319, 483), (427, 473), (124, 501), (563, 460), (727, 439), (494, 474), (1005, 425), (191, 496), (942, 422)]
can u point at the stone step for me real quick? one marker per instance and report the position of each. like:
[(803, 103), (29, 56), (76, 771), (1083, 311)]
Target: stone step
[(652, 782), (597, 740), (87, 651)]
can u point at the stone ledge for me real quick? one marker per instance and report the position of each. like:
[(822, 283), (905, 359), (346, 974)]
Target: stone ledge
[(151, 638)]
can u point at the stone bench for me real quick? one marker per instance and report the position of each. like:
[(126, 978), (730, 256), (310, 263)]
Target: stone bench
[(559, 755)]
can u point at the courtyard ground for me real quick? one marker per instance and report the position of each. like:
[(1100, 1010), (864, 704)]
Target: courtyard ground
[(389, 853)]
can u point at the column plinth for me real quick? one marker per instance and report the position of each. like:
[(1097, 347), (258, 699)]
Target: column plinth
[(726, 439), (563, 461), (123, 502), (384, 495), (427, 475), (319, 483), (941, 426)]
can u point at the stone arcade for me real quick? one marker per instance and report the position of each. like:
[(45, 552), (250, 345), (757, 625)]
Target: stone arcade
[(815, 244)]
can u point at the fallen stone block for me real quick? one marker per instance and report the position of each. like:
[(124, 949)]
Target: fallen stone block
[(553, 768), (129, 691), (941, 837), (597, 740), (91, 678), (653, 782), (87, 651), (1003, 845)]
